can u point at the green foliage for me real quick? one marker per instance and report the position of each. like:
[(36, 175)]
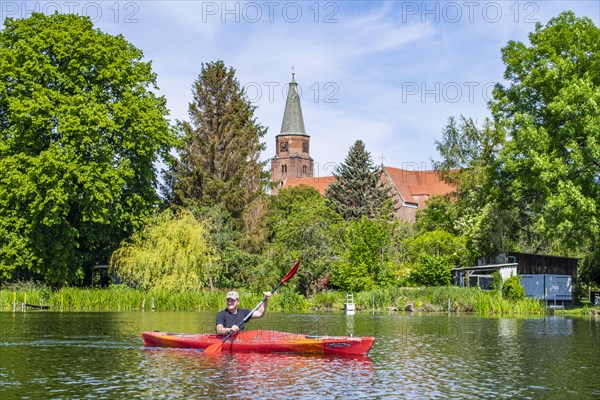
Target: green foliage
[(469, 158), (364, 260), (219, 155), (497, 280), (466, 148), (590, 268), (551, 108), (255, 230), (288, 300), (512, 289), (171, 253), (328, 300), (242, 269), (357, 191), (302, 228), (80, 132), (440, 213), (528, 181), (432, 270), (432, 255)]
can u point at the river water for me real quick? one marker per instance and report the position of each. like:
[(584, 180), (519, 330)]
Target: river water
[(83, 355)]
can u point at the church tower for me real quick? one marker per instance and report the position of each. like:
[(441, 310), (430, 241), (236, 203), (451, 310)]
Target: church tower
[(292, 158)]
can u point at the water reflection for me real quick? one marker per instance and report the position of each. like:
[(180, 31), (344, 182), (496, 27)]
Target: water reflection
[(100, 355), (253, 375)]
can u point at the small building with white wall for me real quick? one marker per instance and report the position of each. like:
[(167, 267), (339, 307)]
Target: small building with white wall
[(543, 277)]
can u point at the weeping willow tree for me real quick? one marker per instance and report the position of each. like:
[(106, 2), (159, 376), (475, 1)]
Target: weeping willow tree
[(172, 253)]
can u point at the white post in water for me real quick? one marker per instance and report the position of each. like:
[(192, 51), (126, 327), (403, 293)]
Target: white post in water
[(152, 303), (349, 306)]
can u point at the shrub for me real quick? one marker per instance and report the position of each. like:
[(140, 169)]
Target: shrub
[(497, 281), (512, 289), (432, 271)]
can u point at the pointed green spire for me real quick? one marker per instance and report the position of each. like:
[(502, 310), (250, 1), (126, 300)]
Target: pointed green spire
[(293, 123)]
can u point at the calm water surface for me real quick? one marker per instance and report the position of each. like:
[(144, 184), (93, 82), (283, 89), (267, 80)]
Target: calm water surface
[(70, 355)]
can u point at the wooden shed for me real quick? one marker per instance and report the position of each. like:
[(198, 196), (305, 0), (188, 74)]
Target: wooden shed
[(536, 264), (556, 274)]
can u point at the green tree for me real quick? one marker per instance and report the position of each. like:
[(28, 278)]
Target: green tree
[(469, 159), (219, 155), (357, 191), (172, 252), (432, 255), (81, 131), (551, 107), (302, 227), (440, 213), (239, 267), (365, 259)]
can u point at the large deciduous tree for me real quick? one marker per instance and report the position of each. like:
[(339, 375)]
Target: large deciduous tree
[(469, 159), (357, 191), (551, 106), (81, 131), (219, 156)]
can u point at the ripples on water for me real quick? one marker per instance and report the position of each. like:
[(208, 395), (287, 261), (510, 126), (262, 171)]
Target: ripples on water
[(251, 376), (99, 355)]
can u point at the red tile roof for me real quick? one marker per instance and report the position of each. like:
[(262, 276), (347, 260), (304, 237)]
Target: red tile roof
[(413, 186), (320, 183), (418, 186)]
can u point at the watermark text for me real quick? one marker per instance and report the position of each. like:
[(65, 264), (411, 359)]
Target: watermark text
[(126, 12)]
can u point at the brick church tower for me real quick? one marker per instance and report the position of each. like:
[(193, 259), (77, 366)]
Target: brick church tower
[(292, 158)]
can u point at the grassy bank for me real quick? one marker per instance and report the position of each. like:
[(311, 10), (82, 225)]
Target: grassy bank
[(121, 298)]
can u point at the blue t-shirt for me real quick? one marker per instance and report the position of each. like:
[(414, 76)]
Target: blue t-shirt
[(228, 319)]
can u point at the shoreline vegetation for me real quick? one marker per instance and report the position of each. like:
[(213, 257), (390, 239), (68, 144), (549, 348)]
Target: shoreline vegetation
[(417, 299)]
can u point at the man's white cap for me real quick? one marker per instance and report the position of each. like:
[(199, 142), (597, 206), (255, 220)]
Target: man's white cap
[(233, 295)]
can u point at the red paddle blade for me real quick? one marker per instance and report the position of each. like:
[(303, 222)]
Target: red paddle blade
[(214, 348), (292, 272)]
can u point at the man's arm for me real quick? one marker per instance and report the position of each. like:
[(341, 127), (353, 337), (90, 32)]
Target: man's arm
[(221, 330), (263, 307)]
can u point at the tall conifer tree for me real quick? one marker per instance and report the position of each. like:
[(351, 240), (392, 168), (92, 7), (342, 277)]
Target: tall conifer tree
[(357, 191), (219, 154)]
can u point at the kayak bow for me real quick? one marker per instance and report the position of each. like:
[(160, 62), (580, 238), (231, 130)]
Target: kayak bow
[(264, 341)]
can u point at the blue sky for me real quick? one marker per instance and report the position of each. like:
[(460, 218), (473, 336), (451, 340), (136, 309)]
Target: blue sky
[(387, 72)]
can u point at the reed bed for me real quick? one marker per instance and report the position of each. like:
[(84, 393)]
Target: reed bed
[(122, 298), (446, 299)]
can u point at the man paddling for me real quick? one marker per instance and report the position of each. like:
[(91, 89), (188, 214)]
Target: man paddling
[(231, 318)]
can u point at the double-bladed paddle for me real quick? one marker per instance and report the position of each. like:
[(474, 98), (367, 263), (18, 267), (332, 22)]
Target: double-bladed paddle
[(214, 348)]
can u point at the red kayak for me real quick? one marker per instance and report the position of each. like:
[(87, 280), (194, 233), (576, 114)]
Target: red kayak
[(263, 341)]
